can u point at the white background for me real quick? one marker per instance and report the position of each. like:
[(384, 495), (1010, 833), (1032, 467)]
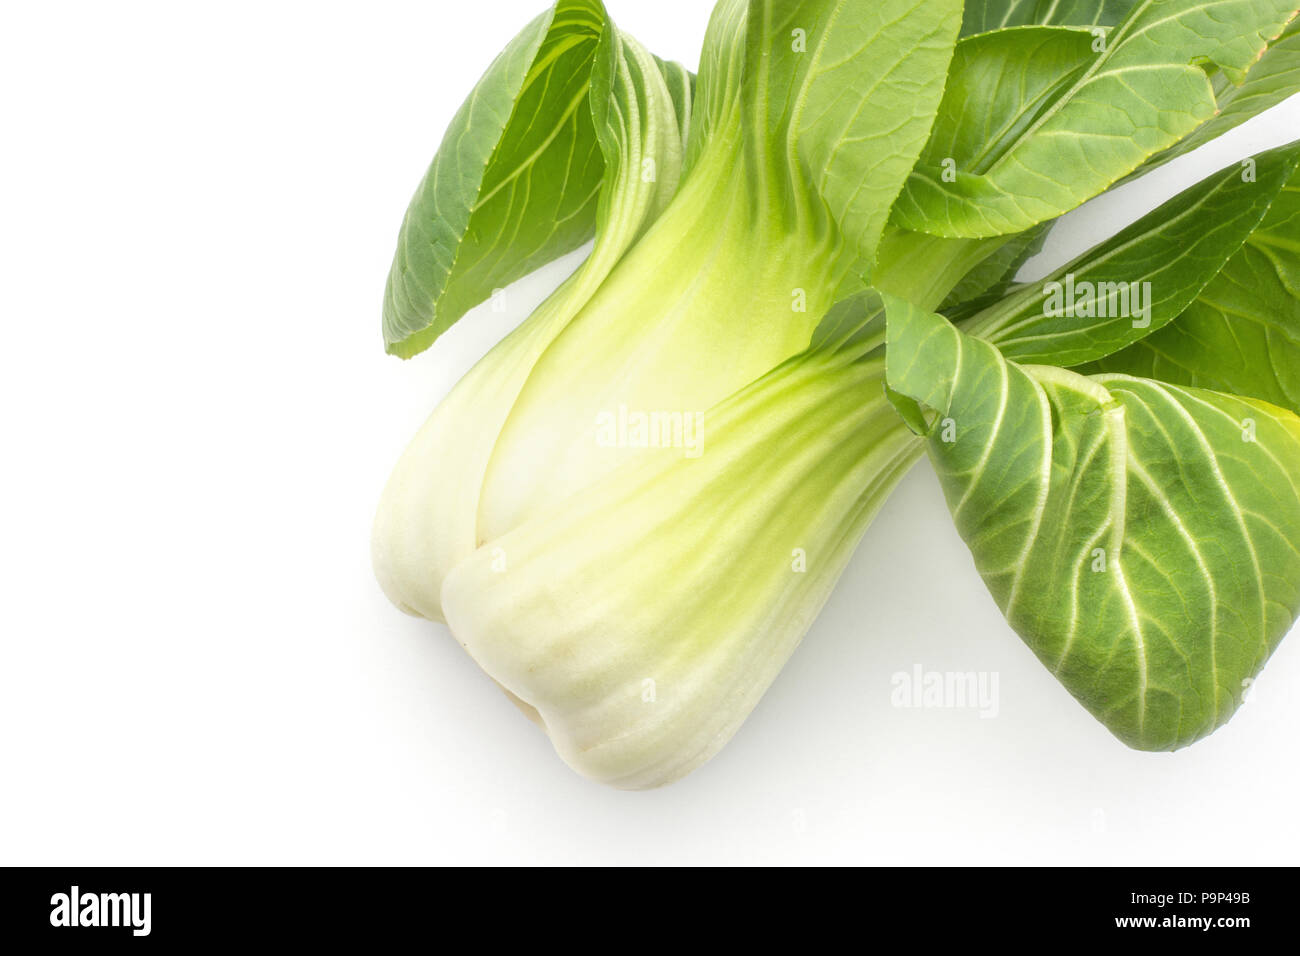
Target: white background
[(197, 213)]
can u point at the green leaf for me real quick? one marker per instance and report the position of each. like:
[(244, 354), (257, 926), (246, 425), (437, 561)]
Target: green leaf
[(1079, 126), (513, 186), (1270, 81), (1242, 334), (522, 175), (1141, 279), (984, 15), (1140, 537), (841, 96), (998, 84)]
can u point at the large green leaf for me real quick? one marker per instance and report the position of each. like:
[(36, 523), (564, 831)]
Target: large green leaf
[(1079, 126), (1242, 334), (1142, 278), (984, 15), (1270, 81), (841, 95), (520, 178), (1142, 538), (514, 185)]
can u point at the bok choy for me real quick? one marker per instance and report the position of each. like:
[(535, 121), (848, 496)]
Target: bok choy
[(802, 281)]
